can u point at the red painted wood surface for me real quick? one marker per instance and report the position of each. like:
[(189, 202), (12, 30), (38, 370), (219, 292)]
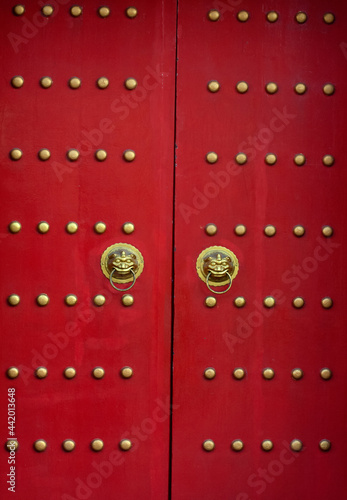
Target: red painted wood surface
[(58, 263), (88, 191), (256, 194)]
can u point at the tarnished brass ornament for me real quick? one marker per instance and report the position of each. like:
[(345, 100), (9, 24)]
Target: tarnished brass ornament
[(122, 263), (217, 266)]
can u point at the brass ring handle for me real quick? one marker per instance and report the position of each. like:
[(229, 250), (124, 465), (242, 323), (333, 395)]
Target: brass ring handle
[(213, 291), (217, 266), (122, 263), (132, 284)]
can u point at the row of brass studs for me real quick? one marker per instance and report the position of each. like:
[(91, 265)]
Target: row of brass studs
[(42, 300), (75, 11), (268, 373), (271, 87), (127, 372), (69, 444), (71, 227), (129, 155), (270, 159), (272, 16), (128, 228), (269, 230), (72, 154), (266, 445), (74, 82), (131, 83), (213, 15), (297, 302), (98, 372), (208, 445), (128, 300), (269, 302)]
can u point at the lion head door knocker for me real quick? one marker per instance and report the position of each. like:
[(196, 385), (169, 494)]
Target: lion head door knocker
[(217, 266), (122, 263)]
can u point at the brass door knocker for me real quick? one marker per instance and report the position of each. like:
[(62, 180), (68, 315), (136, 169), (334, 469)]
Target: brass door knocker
[(122, 263), (217, 266)]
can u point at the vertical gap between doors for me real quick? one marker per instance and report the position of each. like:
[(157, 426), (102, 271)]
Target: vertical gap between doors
[(173, 264)]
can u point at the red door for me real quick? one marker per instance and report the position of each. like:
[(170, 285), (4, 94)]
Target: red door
[(150, 152), (260, 416), (118, 354)]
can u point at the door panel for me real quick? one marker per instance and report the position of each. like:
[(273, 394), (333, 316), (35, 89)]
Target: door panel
[(58, 263), (254, 195)]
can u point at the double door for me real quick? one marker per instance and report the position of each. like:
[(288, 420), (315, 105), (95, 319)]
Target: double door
[(153, 155)]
